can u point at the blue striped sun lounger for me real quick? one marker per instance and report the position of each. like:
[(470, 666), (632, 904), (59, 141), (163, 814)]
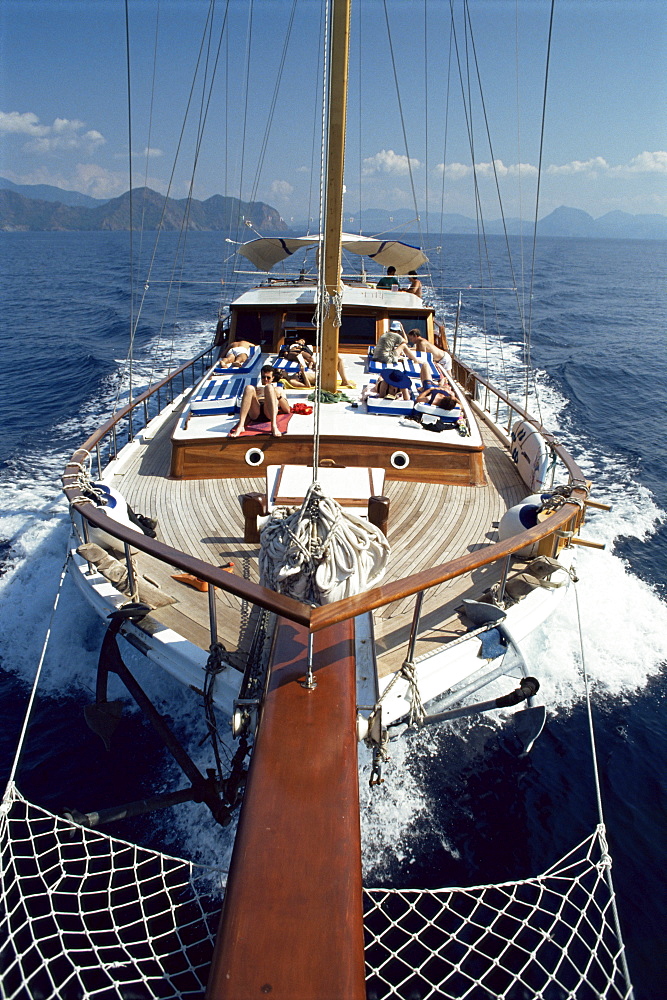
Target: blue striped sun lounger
[(218, 395), (286, 366), (411, 368), (388, 407), (245, 368)]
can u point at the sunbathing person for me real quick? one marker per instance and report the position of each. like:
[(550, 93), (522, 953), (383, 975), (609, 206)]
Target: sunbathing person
[(263, 403), (237, 355), (420, 343), (306, 378), (436, 393), (392, 385), (300, 352)]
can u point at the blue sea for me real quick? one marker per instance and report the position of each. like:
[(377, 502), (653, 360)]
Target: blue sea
[(458, 807)]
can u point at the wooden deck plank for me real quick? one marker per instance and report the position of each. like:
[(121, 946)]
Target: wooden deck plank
[(428, 525)]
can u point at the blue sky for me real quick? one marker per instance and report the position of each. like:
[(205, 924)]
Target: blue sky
[(63, 102)]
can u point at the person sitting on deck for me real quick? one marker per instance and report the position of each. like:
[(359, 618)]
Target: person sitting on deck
[(415, 285), (392, 345), (237, 355), (436, 393), (389, 280), (420, 343), (307, 377), (263, 403)]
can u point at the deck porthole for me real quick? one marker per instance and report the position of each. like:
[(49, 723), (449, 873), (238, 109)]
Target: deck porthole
[(254, 456), (400, 460)]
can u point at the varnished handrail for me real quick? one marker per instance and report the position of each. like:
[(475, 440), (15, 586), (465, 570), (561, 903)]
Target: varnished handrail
[(317, 618)]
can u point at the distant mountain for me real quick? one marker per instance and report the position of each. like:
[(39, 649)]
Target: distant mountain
[(46, 192), (18, 213), (562, 221)]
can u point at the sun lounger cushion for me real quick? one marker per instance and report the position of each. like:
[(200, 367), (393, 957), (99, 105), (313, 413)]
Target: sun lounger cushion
[(412, 368), (218, 395), (286, 366), (447, 416), (247, 366), (398, 407)]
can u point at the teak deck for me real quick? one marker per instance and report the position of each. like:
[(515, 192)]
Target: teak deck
[(429, 523)]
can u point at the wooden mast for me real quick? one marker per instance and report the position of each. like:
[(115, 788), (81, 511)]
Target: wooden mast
[(333, 222)]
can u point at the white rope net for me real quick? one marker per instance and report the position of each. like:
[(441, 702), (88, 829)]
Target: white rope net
[(86, 915), (552, 937)]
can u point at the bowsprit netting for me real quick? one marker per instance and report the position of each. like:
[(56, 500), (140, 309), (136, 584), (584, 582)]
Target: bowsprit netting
[(551, 937), (85, 915)]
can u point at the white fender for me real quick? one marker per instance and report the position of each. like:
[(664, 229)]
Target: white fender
[(531, 455), (116, 508)]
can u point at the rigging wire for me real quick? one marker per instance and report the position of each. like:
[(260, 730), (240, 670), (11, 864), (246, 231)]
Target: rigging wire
[(402, 117), (129, 148), (272, 107), (537, 199), (169, 187), (606, 859)]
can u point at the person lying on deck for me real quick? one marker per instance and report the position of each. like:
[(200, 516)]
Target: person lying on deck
[(306, 378), (392, 385), (300, 352), (237, 355), (436, 393), (263, 403), (420, 343)]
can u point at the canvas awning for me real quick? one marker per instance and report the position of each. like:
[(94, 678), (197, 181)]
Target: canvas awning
[(268, 251)]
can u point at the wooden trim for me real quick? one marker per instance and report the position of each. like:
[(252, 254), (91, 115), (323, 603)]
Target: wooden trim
[(292, 922)]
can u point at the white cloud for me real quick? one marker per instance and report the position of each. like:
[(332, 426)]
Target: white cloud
[(388, 162), (593, 166), (649, 163), (281, 189), (65, 133), (644, 163)]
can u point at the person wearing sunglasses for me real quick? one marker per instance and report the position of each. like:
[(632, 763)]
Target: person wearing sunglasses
[(262, 403)]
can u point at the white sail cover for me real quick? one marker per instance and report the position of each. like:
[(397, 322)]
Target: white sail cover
[(268, 251)]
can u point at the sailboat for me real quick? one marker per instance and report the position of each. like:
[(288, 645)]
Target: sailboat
[(390, 554)]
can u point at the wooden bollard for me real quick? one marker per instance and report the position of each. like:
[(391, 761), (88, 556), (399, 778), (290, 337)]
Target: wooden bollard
[(378, 512), (253, 505)]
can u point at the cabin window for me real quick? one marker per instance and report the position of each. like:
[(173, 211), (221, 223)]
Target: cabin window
[(413, 323), (357, 330), (255, 327)]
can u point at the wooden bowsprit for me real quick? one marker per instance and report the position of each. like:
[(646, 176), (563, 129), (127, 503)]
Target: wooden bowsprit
[(292, 922)]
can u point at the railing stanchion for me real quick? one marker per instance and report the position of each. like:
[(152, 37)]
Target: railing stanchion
[(99, 460), (145, 413), (415, 626), (212, 614), (503, 580), (131, 579)]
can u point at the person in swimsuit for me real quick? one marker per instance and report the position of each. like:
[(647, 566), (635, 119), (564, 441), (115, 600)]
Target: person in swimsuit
[(415, 285), (420, 343), (436, 393), (237, 355), (307, 377), (263, 403)]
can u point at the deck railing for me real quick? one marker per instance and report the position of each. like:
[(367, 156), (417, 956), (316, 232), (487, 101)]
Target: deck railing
[(124, 425), (551, 533)]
